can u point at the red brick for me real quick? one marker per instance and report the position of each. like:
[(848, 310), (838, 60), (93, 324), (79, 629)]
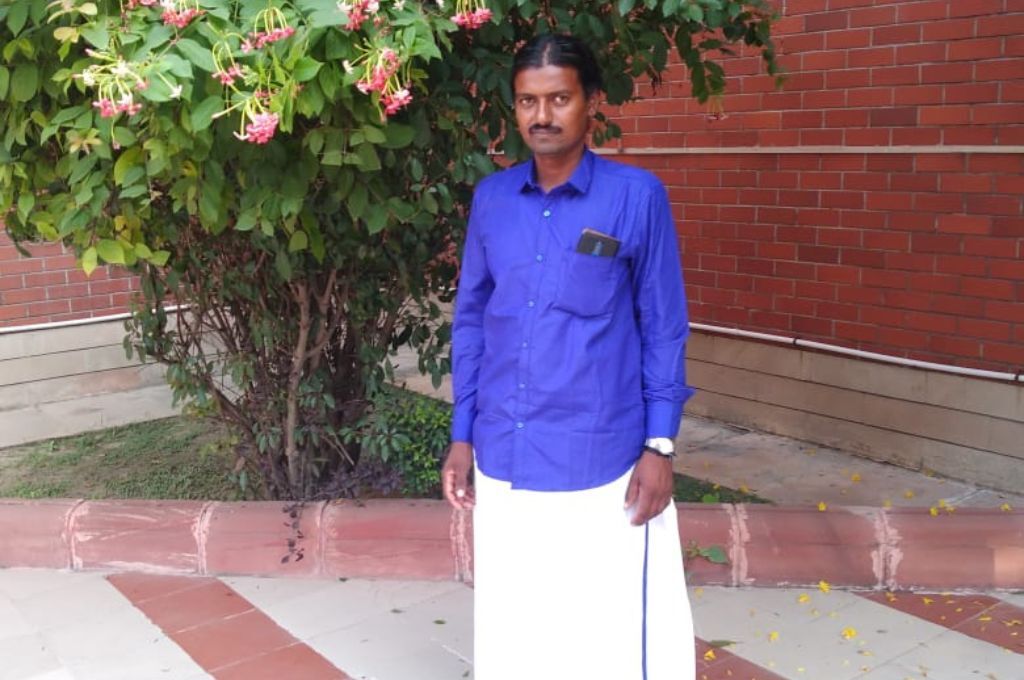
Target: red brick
[(910, 261), (1006, 269), (896, 35), (1008, 226), (973, 93), (936, 243), (893, 162), (823, 61), (862, 258), (12, 297), (873, 16), (1010, 354), (871, 97), (826, 21), (886, 240), (988, 247), (917, 181), (972, 8), (838, 312), (890, 201), (855, 331), (941, 162), (808, 325), (945, 115), (9, 314), (932, 323), (821, 138), (918, 11), (966, 183), (949, 203), (965, 224), (960, 264), (809, 253), (923, 53), (805, 6), (916, 136), (994, 289), (1005, 311), (975, 50), (912, 221), (795, 270), (952, 29), (979, 328), (882, 316), (960, 347), (935, 283), (994, 205), (903, 338), (774, 286), (969, 136), (845, 39), (792, 305), (865, 181), (839, 237), (947, 73), (896, 76), (927, 95), (769, 320), (907, 299), (859, 295)]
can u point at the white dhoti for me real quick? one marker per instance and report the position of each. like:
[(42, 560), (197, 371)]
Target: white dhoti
[(566, 588)]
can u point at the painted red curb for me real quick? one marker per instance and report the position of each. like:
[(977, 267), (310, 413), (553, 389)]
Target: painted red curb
[(424, 539), (221, 630), (721, 664)]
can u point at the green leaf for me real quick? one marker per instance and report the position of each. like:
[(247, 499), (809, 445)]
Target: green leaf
[(123, 136), (126, 161), (625, 6), (160, 257), (398, 135), (198, 55), (111, 251), (376, 218), (368, 158), (719, 644), (142, 251), (5, 80), (89, 260), (17, 17), (306, 68), (694, 12), (202, 115), (246, 221), (25, 82), (88, 9), (716, 554), (357, 201), (298, 241), (96, 34)]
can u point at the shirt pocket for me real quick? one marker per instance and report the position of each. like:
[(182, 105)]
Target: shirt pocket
[(589, 284)]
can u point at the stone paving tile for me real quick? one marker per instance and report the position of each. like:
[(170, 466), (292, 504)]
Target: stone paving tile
[(27, 656)]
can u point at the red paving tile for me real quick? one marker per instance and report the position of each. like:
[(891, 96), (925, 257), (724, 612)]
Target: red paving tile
[(727, 666), (978, 616), (221, 630)]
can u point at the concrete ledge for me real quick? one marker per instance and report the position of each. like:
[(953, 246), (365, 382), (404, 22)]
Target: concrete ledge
[(856, 547)]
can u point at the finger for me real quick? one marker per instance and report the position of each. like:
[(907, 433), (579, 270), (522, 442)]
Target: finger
[(632, 490)]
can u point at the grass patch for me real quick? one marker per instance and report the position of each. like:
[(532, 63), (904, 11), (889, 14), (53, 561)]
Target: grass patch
[(173, 458), (692, 490)]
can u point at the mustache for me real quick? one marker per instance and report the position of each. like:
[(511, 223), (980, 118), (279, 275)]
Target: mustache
[(545, 128)]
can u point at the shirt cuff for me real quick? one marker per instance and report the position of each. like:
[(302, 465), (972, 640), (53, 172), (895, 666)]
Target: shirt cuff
[(662, 418), (462, 427)]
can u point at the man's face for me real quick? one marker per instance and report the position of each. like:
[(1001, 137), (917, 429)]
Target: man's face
[(552, 111)]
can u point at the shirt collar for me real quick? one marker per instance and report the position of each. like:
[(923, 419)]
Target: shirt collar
[(579, 180)]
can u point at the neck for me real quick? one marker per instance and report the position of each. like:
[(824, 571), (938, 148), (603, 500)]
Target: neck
[(553, 170)]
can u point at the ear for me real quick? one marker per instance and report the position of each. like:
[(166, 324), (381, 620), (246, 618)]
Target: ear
[(592, 103)]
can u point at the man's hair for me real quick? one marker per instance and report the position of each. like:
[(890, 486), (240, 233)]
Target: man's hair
[(551, 49)]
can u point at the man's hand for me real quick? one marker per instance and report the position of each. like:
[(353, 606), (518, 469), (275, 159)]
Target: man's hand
[(650, 488), (455, 481)]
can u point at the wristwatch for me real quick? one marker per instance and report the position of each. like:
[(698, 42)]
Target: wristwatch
[(663, 446)]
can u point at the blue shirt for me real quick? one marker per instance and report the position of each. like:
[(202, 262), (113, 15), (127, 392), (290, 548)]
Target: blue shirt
[(563, 363)]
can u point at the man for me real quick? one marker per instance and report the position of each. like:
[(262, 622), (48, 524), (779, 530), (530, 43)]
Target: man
[(568, 363)]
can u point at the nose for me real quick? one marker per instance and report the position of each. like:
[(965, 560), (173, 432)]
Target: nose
[(543, 113)]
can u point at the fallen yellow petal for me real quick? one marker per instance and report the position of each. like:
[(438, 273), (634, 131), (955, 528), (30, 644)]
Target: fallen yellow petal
[(824, 586), (890, 596), (744, 488), (942, 502), (773, 636), (822, 506), (927, 600), (803, 599), (887, 504), (908, 494), (849, 633), (1005, 507), (933, 511), (709, 655), (855, 477), (950, 509)]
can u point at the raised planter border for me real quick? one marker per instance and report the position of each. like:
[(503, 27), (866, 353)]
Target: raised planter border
[(854, 547)]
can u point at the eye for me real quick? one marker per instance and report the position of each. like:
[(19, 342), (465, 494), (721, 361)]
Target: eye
[(562, 99), (524, 102)]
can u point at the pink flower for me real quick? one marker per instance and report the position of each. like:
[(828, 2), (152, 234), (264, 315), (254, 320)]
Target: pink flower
[(180, 19), (107, 108), (395, 101), (257, 40), (473, 20), (248, 46), (261, 129), (358, 12), (228, 77)]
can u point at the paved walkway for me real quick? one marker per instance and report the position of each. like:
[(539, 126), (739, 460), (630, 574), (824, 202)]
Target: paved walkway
[(93, 626)]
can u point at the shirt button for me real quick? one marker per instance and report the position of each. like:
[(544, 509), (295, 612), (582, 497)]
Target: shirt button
[(540, 258), (546, 213), (525, 343), (531, 303), (522, 386), (520, 425)]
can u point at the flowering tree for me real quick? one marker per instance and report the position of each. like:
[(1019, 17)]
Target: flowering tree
[(289, 178)]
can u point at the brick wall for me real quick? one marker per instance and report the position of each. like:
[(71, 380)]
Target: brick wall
[(49, 287), (915, 252)]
